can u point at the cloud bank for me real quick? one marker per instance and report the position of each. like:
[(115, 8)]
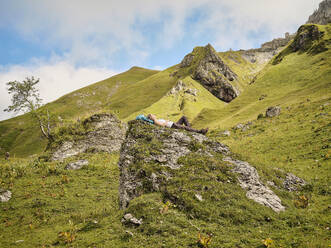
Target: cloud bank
[(92, 39)]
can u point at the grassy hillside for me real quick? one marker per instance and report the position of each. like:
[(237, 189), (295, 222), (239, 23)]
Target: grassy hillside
[(53, 207), (22, 137), (300, 76)]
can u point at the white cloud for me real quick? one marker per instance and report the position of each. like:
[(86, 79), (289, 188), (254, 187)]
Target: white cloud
[(57, 77), (92, 31)]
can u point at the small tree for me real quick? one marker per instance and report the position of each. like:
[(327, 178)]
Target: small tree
[(26, 98)]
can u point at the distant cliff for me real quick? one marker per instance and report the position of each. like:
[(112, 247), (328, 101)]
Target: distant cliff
[(322, 15)]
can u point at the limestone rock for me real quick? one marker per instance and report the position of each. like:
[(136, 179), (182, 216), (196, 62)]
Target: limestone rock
[(162, 149), (182, 87), (322, 15), (170, 145), (5, 195), (104, 133), (273, 111), (77, 165), (212, 73), (293, 183), (305, 37), (256, 190), (130, 219)]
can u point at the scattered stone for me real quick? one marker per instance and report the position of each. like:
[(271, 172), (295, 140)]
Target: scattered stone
[(5, 195), (273, 111), (104, 133), (293, 183), (262, 97), (272, 184), (7, 155), (129, 233), (226, 133), (256, 190), (239, 126), (199, 197), (130, 219), (77, 165), (193, 92), (243, 127), (19, 241)]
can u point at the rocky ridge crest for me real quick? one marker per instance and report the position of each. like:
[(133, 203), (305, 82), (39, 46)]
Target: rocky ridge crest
[(322, 15), (210, 70)]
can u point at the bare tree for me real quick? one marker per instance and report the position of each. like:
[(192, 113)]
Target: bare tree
[(25, 98)]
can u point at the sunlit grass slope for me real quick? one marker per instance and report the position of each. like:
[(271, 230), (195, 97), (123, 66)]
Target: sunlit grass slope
[(21, 135), (298, 77), (173, 106)]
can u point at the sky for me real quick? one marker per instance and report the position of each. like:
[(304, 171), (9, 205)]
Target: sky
[(71, 44)]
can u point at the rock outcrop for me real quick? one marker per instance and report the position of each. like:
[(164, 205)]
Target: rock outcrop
[(273, 111), (101, 133), (210, 70), (151, 157), (322, 15), (256, 190)]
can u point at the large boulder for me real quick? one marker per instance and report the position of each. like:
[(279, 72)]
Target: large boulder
[(210, 70), (98, 133), (155, 159)]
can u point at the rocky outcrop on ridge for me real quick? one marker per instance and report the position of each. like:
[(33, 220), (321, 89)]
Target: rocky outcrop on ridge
[(101, 133), (322, 15), (309, 38), (151, 157), (210, 70)]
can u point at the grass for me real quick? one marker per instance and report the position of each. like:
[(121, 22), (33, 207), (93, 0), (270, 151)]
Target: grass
[(21, 136), (53, 207), (296, 78)]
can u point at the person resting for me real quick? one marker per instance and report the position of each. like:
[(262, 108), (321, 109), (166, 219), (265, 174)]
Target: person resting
[(182, 123)]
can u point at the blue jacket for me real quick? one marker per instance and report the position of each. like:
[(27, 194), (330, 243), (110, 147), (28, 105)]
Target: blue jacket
[(144, 118)]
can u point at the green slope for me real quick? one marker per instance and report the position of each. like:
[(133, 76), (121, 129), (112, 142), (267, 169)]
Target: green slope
[(22, 137), (48, 200), (299, 76)]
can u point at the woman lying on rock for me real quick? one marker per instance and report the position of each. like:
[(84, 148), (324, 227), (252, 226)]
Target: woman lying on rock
[(182, 123)]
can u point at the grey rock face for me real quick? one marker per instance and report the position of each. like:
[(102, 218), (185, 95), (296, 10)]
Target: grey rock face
[(174, 144), (135, 181), (322, 15), (187, 61), (182, 87), (293, 183), (305, 37), (130, 219), (77, 165), (256, 190), (106, 134), (5, 195), (213, 74), (273, 111)]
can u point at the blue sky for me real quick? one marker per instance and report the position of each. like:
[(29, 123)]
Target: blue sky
[(70, 44)]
